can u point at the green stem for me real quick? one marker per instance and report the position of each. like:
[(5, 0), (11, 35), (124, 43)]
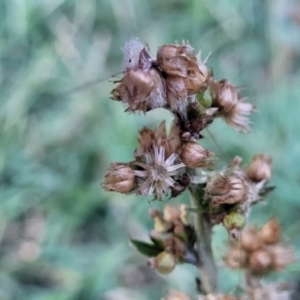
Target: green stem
[(206, 263)]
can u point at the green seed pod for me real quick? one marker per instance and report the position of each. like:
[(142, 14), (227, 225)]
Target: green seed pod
[(234, 222), (165, 262)]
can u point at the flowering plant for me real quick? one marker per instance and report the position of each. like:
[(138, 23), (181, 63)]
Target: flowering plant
[(167, 164)]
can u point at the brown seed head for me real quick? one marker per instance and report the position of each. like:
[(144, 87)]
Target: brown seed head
[(159, 137), (223, 189), (196, 82), (270, 232), (176, 59), (260, 261), (282, 256), (120, 178), (236, 258), (250, 240), (260, 168), (134, 89), (194, 156), (141, 90), (226, 95)]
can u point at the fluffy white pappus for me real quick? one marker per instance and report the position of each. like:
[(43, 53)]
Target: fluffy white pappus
[(132, 50)]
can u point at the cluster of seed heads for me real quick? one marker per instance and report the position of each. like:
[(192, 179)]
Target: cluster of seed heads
[(166, 163)]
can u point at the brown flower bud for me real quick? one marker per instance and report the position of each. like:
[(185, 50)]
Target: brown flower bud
[(120, 178), (236, 258), (226, 190), (165, 262), (270, 232), (260, 261), (196, 82), (176, 59), (134, 89), (281, 256), (260, 168), (141, 90), (171, 213), (194, 156), (250, 240), (226, 95)]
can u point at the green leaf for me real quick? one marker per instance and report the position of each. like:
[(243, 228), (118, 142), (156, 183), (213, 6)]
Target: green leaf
[(157, 242), (147, 249)]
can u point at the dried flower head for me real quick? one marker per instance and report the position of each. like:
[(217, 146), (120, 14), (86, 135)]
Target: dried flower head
[(157, 171), (260, 168), (270, 232), (224, 189), (236, 258), (226, 96), (282, 256), (260, 261), (234, 110), (238, 116), (250, 240), (120, 178), (176, 59), (159, 138), (141, 90), (194, 156)]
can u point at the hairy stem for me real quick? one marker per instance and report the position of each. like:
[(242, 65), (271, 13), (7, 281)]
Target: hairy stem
[(206, 264)]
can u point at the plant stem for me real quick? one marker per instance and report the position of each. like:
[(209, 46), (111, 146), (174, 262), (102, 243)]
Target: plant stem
[(206, 263)]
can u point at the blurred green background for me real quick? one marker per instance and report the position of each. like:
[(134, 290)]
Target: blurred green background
[(62, 237)]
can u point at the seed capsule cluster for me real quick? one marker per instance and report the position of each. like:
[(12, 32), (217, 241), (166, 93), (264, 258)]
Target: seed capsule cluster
[(260, 251)]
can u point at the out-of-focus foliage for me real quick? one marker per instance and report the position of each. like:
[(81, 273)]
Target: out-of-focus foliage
[(62, 237)]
